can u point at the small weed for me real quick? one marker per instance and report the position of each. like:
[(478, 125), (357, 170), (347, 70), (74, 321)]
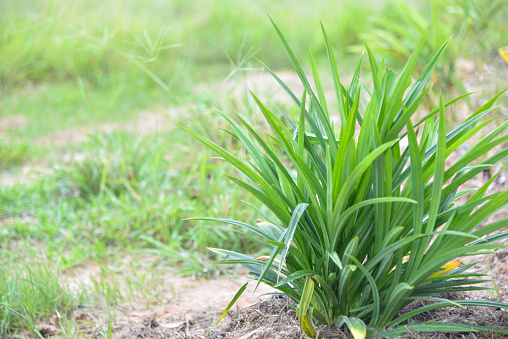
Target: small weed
[(131, 283), (29, 294)]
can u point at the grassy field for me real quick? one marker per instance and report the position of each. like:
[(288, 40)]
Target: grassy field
[(93, 166)]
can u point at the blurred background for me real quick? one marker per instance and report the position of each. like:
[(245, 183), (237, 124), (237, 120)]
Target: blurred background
[(94, 169)]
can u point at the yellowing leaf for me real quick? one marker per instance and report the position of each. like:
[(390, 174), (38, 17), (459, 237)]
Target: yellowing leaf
[(503, 52), (265, 258), (447, 268), (308, 327)]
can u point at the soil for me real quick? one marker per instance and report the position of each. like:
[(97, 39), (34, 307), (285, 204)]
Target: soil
[(167, 306), (11, 122), (276, 318), (189, 308), (147, 123)]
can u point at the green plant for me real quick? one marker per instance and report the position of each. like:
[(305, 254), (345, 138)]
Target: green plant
[(361, 226)]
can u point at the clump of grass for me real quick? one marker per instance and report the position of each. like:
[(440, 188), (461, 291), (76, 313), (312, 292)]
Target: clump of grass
[(13, 153), (359, 226), (29, 295), (119, 163)]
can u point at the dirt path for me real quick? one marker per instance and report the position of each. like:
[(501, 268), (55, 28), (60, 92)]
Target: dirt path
[(165, 305), (184, 307)]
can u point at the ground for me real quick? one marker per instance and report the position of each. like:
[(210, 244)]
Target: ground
[(194, 305)]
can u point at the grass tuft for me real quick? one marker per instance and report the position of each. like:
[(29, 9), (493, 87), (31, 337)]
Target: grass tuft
[(13, 153), (32, 294)]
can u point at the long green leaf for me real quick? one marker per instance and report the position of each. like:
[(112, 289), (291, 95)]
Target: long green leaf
[(233, 301), (446, 327)]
